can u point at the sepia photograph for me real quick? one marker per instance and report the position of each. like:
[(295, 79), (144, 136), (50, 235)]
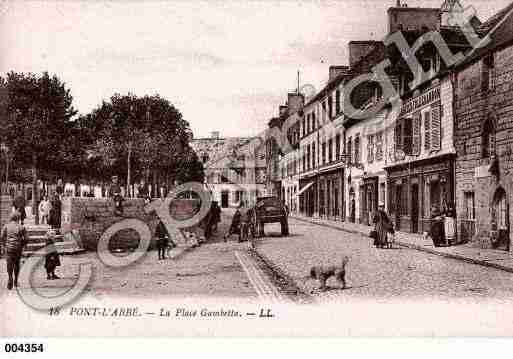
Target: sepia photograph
[(266, 168)]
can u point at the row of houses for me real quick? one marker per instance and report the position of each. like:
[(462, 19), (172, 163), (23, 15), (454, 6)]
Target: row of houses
[(439, 136)]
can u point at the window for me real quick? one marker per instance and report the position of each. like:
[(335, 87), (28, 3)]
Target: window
[(314, 124), (225, 176), (488, 139), (313, 155), (404, 135), (337, 150), (330, 107), (330, 150), (337, 102), (349, 149), (357, 149), (408, 135), (487, 74), (370, 148), (303, 125), (427, 130), (308, 163), (381, 193), (379, 146), (323, 152), (323, 115), (470, 207)]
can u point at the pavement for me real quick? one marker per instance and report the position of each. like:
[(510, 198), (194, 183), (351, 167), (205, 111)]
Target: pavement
[(487, 257), (214, 269), (377, 274)]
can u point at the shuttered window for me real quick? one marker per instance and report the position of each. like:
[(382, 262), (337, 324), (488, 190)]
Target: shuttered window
[(398, 135), (379, 146), (435, 127), (427, 130), (416, 134), (408, 136), (370, 148), (349, 151)]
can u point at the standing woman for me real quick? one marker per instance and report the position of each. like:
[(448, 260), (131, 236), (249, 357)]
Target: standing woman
[(383, 226), (14, 238), (450, 226), (19, 204), (437, 227), (44, 209), (55, 213)]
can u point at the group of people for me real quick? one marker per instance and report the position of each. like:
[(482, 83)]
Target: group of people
[(50, 211), (240, 224), (442, 229), (443, 226), (13, 238)]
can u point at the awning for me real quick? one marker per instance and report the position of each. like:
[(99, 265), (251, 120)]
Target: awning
[(304, 188)]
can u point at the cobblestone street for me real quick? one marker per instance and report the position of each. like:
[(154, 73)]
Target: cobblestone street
[(398, 273), (219, 269)]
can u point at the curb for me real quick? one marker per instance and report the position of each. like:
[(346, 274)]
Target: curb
[(419, 248)]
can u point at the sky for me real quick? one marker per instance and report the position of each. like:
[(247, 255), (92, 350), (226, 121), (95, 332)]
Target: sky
[(226, 65)]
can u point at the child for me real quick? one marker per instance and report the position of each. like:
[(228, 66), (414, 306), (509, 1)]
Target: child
[(52, 259)]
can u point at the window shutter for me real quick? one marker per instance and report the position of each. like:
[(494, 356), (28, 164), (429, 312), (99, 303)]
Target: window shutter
[(416, 134), (408, 136), (427, 130), (398, 135), (435, 127)]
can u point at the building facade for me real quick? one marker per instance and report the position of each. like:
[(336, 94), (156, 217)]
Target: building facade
[(483, 136), (235, 168)]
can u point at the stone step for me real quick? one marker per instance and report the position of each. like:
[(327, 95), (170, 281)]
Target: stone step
[(68, 247), (42, 239)]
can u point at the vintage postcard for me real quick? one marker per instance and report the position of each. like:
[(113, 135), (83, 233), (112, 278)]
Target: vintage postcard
[(256, 168)]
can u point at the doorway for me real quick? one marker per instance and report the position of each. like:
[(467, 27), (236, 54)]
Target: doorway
[(500, 220), (224, 199), (415, 208)]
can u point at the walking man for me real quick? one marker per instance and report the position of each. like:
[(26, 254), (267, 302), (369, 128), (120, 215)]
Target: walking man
[(162, 239), (115, 193), (13, 237)]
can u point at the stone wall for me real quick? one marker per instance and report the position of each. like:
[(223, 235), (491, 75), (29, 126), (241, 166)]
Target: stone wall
[(473, 108), (92, 216)]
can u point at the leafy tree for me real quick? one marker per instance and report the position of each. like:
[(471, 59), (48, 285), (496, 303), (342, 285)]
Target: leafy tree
[(39, 110), (147, 133)]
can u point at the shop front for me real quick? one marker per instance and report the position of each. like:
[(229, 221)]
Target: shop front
[(368, 199), (331, 190), (307, 196), (415, 189)]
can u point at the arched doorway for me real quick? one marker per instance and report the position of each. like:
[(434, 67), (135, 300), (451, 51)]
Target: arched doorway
[(499, 235)]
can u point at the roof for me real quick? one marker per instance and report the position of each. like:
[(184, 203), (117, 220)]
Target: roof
[(498, 28), (362, 66)]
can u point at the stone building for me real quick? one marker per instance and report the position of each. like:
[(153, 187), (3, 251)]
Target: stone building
[(235, 168), (483, 137)]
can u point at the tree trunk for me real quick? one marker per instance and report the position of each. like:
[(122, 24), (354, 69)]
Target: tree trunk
[(128, 174), (35, 190)]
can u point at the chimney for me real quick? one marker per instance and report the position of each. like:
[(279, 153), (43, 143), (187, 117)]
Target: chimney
[(214, 135), (296, 102), (359, 49), (283, 110), (337, 70)]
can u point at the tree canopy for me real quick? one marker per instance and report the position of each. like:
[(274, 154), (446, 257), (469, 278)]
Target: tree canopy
[(144, 137)]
